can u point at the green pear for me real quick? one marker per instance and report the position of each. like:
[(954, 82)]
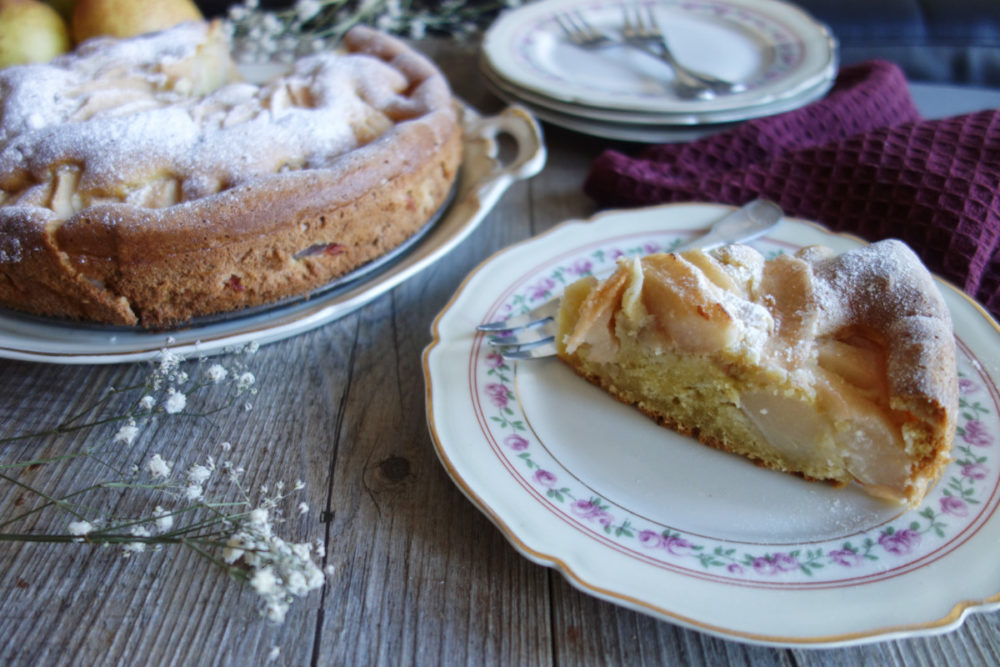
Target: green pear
[(30, 32), (127, 18)]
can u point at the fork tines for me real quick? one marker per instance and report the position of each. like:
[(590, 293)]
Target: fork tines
[(578, 29), (536, 350), (527, 336), (534, 317)]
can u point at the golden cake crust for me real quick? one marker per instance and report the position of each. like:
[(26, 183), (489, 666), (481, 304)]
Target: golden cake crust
[(853, 351), (268, 221)]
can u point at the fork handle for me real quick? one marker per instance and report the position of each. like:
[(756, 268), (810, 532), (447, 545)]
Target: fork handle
[(685, 75)]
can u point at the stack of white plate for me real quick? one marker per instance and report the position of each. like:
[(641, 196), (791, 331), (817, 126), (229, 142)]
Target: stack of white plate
[(785, 58)]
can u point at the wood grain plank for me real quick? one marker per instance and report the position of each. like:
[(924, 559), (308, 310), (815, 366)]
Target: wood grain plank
[(406, 528)]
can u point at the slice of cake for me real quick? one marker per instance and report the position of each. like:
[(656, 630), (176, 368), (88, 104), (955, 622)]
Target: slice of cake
[(832, 367), (142, 181)]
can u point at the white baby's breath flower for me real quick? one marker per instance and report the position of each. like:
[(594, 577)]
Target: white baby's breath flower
[(158, 467), (216, 373), (147, 402), (194, 492), (306, 9), (80, 527), (164, 519), (271, 24), (264, 581), (198, 474), (226, 446), (273, 654), (279, 570), (169, 361), (176, 401), (303, 508), (136, 547), (261, 34), (315, 577), (296, 583), (233, 550), (287, 45), (127, 433), (231, 473), (245, 381), (302, 551), (276, 609), (259, 518)]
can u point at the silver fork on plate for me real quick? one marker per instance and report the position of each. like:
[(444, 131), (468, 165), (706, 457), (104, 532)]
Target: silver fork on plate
[(531, 335), (579, 31), (640, 28)]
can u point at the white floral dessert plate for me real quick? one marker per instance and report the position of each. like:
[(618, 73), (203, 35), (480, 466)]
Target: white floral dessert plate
[(483, 178), (773, 47), (641, 516), (514, 94), (625, 126)]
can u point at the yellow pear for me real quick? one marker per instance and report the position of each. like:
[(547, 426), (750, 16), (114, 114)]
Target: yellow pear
[(126, 18), (30, 32)]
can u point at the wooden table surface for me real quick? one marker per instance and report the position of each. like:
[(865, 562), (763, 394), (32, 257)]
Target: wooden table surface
[(419, 574)]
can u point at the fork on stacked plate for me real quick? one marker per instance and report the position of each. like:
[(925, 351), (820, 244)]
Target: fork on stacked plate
[(657, 71)]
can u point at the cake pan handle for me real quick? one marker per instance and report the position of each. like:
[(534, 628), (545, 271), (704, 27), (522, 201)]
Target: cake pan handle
[(511, 143)]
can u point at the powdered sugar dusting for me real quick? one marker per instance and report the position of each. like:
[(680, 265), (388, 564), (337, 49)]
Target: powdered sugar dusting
[(10, 250), (886, 277), (135, 116), (886, 288)]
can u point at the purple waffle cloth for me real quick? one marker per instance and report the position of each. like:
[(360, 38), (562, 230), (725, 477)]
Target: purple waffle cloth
[(861, 160)]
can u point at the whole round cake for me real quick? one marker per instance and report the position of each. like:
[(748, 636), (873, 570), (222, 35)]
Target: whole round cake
[(142, 181)]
